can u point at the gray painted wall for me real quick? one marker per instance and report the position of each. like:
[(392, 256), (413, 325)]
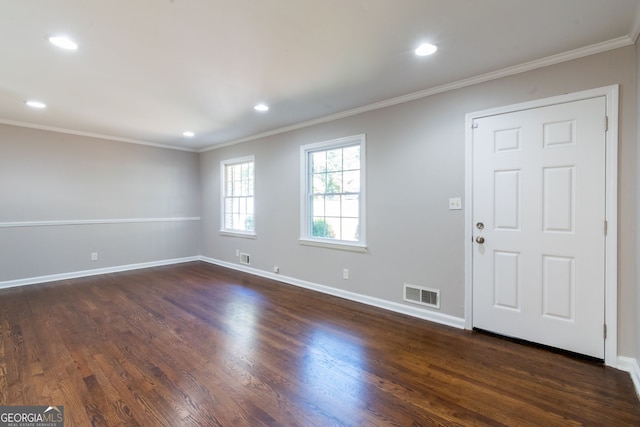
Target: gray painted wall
[(50, 176), (415, 162)]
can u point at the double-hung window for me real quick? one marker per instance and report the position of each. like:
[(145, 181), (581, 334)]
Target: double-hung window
[(238, 180), (333, 196)]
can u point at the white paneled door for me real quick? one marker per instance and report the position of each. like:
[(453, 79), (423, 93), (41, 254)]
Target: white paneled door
[(539, 225)]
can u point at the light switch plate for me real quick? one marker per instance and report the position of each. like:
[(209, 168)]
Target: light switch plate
[(455, 203)]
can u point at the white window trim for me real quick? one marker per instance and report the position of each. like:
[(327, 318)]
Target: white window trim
[(305, 238), (224, 231)]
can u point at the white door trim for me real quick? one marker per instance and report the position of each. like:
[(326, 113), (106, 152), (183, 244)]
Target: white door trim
[(611, 201)]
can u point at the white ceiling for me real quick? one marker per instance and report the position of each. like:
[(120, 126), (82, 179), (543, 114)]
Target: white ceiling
[(146, 70)]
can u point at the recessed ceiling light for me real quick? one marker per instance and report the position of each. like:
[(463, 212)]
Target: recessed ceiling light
[(188, 134), (426, 49), (261, 107), (36, 104), (63, 42)]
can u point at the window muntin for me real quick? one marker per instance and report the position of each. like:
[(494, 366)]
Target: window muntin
[(238, 181), (333, 191)]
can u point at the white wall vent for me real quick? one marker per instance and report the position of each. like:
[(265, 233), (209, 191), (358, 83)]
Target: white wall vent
[(420, 295), (244, 258)]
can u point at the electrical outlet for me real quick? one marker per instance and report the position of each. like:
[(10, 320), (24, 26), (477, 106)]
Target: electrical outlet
[(94, 256), (276, 269), (345, 273)]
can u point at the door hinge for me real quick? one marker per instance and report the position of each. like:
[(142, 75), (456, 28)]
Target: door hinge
[(604, 331), (606, 123), (474, 125), (606, 227)]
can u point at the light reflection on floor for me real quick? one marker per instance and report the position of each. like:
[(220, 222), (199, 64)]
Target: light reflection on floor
[(243, 312), (332, 371)]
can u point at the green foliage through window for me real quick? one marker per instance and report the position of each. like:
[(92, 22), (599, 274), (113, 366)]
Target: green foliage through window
[(322, 229)]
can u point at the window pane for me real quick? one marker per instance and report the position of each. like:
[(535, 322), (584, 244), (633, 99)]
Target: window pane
[(321, 228), (250, 205), (237, 221), (237, 188), (229, 181), (249, 226), (334, 182), (350, 206), (233, 171), (350, 229), (351, 181), (332, 206), (351, 157), (334, 160), (319, 183), (318, 206), (333, 228), (318, 162)]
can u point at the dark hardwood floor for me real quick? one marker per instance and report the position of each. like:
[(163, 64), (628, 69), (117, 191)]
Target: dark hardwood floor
[(199, 345)]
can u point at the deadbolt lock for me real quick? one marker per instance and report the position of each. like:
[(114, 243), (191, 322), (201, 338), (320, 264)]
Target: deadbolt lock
[(480, 226)]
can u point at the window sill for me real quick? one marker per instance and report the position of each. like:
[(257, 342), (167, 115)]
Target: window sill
[(351, 247), (241, 234)]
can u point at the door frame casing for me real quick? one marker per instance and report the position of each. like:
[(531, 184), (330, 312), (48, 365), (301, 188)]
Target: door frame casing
[(611, 94)]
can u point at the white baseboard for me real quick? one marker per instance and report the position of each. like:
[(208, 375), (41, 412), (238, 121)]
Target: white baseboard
[(630, 365), (93, 272), (627, 364), (420, 313)]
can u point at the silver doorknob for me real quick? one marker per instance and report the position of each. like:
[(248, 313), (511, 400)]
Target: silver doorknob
[(480, 239)]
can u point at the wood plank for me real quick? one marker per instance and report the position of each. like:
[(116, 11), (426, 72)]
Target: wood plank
[(200, 345)]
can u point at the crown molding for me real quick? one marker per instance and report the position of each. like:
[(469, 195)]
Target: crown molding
[(494, 75), (93, 135), (635, 30), (505, 72)]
